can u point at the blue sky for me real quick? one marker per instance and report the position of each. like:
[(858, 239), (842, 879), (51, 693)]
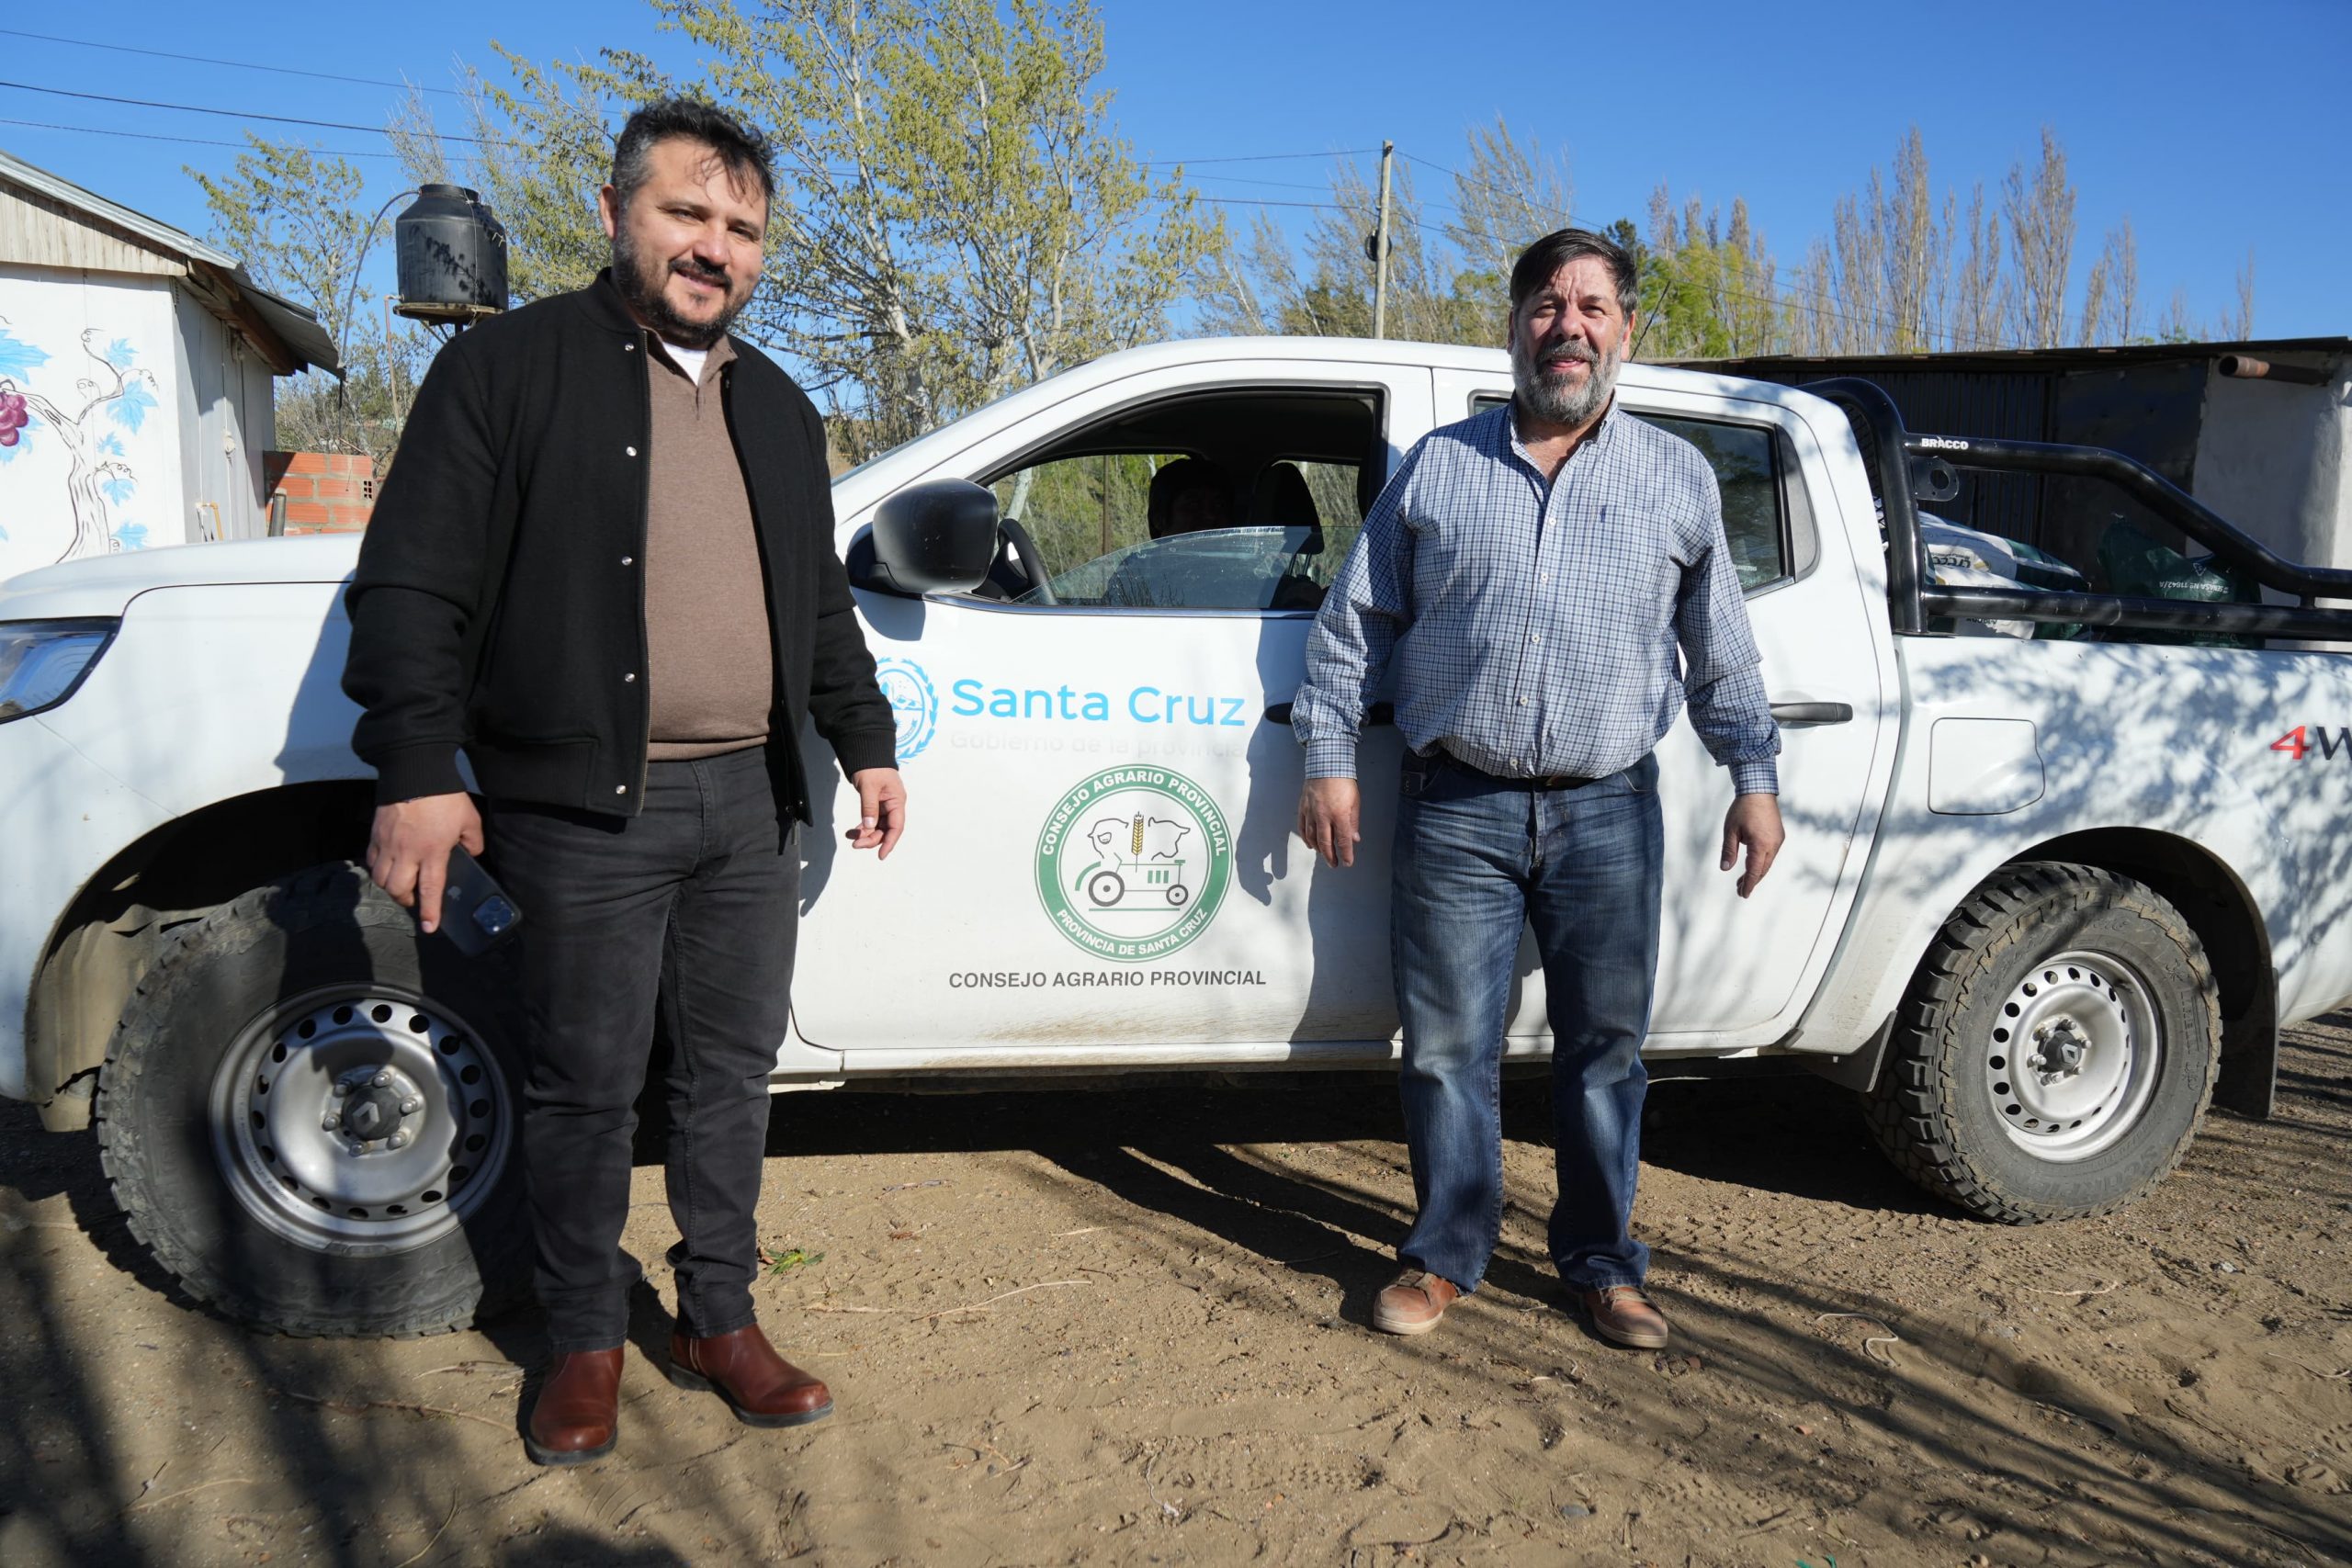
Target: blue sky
[(2214, 128)]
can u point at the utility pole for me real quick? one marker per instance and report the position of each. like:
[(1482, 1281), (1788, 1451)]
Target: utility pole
[(1378, 246)]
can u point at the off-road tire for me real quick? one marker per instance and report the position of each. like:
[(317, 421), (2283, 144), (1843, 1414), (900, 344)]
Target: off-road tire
[(1931, 1111), (221, 976)]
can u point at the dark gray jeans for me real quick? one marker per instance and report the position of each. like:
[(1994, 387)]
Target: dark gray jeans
[(692, 906)]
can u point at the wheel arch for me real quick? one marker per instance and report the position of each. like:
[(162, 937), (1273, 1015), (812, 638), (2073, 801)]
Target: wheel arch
[(2229, 924), (110, 934)]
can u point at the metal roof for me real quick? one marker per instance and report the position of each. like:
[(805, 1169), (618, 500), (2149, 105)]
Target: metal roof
[(2014, 360), (296, 330)]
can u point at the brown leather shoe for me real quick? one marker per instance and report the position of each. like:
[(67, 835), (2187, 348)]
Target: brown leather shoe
[(577, 1416), (1412, 1303), (742, 1367), (1622, 1312)]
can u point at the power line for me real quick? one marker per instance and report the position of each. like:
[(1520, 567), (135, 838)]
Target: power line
[(1260, 201), (248, 114), (187, 140), (1259, 157), (233, 64), (1276, 185)]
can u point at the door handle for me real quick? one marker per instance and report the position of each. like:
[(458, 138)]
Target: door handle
[(1378, 713), (1802, 714)]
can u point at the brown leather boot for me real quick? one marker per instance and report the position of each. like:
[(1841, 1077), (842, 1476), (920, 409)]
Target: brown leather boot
[(1413, 1303), (1622, 1313), (577, 1416), (742, 1367)]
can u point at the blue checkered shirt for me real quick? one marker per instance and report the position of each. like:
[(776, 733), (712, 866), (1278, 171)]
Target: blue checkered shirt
[(1533, 628)]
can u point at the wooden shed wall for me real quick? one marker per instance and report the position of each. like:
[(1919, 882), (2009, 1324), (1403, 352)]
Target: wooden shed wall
[(36, 231)]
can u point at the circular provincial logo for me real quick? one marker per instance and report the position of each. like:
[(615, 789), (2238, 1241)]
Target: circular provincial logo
[(914, 703), (1133, 863)]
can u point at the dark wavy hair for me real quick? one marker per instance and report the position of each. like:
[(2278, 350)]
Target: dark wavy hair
[(1554, 251), (742, 150)]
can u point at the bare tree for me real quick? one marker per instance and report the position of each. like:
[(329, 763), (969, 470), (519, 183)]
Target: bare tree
[(2242, 326), (1858, 244), (2093, 302), (1812, 312), (1327, 290), (1911, 251), (1248, 284), (2124, 322), (1510, 194), (2112, 293), (1980, 293), (2040, 209), (2175, 326)]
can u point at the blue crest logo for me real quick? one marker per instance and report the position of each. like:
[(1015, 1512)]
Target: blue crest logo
[(912, 701)]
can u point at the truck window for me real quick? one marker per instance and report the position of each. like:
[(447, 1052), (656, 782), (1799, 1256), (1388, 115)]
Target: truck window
[(1751, 472), (1080, 508), (1240, 499), (1746, 458)]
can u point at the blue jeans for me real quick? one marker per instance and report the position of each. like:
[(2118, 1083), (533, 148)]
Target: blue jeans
[(1475, 861)]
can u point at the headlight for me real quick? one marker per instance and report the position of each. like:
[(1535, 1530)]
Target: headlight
[(42, 661)]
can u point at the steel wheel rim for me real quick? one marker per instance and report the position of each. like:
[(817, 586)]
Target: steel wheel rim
[(2073, 1057), (422, 1121)]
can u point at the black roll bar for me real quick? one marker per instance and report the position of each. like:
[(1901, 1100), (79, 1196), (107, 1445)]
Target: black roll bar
[(1914, 603), (1878, 426)]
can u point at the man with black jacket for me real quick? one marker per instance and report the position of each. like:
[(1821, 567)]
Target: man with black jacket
[(604, 570)]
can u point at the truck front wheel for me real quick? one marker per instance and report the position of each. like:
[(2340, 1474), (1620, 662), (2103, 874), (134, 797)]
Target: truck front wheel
[(309, 1115), (2056, 1052)]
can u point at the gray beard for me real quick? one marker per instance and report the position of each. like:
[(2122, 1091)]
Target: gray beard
[(1555, 402), (643, 290)]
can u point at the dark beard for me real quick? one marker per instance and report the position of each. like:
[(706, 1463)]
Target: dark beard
[(642, 289), (1554, 403)]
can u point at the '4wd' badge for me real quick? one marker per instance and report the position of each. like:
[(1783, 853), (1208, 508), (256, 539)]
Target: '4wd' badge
[(1133, 863)]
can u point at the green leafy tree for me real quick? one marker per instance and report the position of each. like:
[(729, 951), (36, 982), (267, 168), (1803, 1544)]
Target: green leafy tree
[(1710, 289), (302, 226), (538, 151), (955, 217)]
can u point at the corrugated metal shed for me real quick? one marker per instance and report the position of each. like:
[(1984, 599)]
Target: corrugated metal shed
[(48, 221)]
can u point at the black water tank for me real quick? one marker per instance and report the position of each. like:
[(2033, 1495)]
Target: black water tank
[(452, 256)]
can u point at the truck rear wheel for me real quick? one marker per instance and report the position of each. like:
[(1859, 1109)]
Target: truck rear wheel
[(309, 1115), (2056, 1052)]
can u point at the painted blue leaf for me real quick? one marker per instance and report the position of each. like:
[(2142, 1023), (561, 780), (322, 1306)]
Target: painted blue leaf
[(111, 445), (120, 354), (119, 490), (16, 356), (131, 535), (132, 408)]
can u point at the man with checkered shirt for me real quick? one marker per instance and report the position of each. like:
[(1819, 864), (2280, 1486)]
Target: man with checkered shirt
[(1531, 574)]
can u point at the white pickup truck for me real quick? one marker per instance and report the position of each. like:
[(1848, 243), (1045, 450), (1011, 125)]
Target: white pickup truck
[(2043, 900)]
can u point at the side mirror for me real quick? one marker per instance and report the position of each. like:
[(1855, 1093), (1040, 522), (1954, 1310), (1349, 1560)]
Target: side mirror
[(939, 536)]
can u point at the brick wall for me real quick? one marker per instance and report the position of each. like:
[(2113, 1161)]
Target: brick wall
[(326, 493)]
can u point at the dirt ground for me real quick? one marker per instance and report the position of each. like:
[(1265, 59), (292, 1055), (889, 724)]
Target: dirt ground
[(1129, 1328)]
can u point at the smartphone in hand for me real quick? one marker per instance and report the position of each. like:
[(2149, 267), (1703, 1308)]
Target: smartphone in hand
[(476, 913)]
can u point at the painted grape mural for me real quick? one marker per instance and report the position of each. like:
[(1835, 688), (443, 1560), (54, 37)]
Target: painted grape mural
[(110, 395)]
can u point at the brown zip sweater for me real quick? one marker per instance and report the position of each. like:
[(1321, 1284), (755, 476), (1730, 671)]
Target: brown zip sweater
[(709, 644)]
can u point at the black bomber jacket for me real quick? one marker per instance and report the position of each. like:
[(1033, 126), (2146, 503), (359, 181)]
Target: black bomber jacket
[(499, 607)]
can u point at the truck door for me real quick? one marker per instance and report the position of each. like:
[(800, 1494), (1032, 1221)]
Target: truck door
[(1734, 973), (1101, 856)]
